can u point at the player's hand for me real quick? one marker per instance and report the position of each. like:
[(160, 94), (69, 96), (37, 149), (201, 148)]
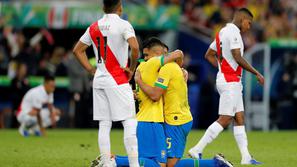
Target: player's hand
[(42, 131), (260, 79), (137, 77), (92, 71), (186, 74), (135, 94), (129, 72)]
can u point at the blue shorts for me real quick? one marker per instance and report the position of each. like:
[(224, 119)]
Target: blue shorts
[(151, 141), (176, 137)]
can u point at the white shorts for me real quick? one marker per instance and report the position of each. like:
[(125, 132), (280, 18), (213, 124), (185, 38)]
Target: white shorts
[(231, 100), (30, 121), (113, 104)]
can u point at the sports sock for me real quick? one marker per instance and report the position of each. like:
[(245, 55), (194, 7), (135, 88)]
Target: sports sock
[(195, 163), (130, 141), (242, 142), (104, 141), (211, 133), (122, 161)]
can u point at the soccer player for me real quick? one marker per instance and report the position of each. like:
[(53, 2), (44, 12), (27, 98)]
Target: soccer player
[(36, 111), (178, 119), (113, 99), (150, 132), (226, 52)]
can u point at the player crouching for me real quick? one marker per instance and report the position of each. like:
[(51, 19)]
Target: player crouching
[(36, 111)]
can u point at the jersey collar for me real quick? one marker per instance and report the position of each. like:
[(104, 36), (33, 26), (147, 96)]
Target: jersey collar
[(111, 16), (233, 25)]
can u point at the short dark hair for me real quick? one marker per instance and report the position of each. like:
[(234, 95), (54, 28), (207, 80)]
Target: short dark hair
[(48, 78), (246, 11), (110, 5), (151, 42)]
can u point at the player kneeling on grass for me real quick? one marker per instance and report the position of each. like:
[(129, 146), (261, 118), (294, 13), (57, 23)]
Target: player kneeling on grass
[(36, 111)]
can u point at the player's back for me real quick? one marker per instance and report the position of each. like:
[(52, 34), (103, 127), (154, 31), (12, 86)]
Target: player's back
[(149, 111), (108, 37), (176, 106)]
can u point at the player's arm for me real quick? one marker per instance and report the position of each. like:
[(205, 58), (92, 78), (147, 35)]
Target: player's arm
[(53, 112), (210, 56), (176, 56), (154, 93), (134, 46), (244, 64), (80, 53)]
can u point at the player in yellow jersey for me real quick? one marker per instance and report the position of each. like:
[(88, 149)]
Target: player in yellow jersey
[(178, 119), (150, 132)]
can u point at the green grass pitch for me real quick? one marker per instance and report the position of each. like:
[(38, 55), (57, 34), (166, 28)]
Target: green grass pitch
[(76, 148)]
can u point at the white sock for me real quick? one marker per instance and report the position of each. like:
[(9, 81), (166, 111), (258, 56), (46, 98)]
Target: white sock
[(104, 141), (130, 141), (242, 143), (211, 133)]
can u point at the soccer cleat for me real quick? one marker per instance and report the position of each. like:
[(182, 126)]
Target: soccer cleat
[(251, 162), (220, 161), (99, 163), (193, 154), (23, 131)]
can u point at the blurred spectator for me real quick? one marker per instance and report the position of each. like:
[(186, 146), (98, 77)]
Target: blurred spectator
[(18, 88), (80, 91), (288, 93), (273, 18)]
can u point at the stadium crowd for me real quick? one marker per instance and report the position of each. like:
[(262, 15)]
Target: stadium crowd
[(22, 55)]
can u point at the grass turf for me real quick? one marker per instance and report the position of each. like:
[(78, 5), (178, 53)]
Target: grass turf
[(76, 148)]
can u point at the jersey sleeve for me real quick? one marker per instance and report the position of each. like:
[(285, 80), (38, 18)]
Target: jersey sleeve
[(86, 38), (128, 31), (213, 46), (234, 40), (163, 77)]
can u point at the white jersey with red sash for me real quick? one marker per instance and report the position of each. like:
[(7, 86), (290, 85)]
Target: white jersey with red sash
[(112, 95), (227, 39), (109, 36)]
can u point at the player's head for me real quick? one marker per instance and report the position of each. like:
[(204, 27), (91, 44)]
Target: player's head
[(153, 46), (243, 17), (49, 83), (113, 6)]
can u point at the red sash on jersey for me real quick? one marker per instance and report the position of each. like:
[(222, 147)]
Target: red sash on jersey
[(111, 63), (230, 75)]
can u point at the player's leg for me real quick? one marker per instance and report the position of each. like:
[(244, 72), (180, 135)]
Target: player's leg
[(122, 105), (130, 141), (240, 132), (176, 137), (217, 161), (152, 142), (26, 123), (226, 114), (101, 112), (122, 161)]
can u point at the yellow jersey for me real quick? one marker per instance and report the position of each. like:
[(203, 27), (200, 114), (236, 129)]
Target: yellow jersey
[(149, 111), (176, 106)]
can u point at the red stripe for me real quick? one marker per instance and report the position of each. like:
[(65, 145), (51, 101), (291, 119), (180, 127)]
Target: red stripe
[(230, 75), (112, 65), (19, 109)]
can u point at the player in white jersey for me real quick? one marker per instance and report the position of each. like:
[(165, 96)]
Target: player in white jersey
[(36, 111), (226, 53), (113, 99)]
